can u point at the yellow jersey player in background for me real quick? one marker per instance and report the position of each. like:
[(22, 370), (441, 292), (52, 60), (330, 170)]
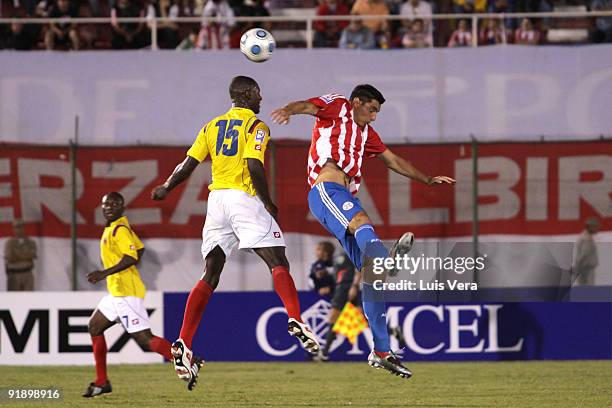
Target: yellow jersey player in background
[(120, 250), (240, 214)]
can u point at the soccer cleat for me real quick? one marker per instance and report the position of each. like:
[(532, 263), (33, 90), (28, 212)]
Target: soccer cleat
[(321, 356), (195, 372), (389, 362), (182, 360), (303, 333), (94, 390), (401, 248)]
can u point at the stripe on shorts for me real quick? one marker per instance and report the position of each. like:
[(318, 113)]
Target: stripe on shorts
[(331, 206)]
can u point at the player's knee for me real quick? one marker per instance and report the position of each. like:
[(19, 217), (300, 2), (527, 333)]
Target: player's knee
[(280, 260), (94, 329), (361, 218), (143, 340), (211, 279), (273, 256)]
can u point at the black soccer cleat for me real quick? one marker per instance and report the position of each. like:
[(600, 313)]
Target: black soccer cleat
[(195, 372), (390, 362), (401, 247), (94, 390)]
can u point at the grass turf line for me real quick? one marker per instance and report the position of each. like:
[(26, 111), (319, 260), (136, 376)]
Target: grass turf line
[(447, 385)]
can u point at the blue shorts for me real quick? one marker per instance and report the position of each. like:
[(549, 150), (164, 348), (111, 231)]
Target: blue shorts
[(334, 206)]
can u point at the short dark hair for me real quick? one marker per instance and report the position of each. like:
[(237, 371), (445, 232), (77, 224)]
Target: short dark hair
[(240, 85), (366, 93), (115, 196)]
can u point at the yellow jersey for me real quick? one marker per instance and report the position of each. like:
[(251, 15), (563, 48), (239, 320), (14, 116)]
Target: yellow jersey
[(230, 139), (118, 240)]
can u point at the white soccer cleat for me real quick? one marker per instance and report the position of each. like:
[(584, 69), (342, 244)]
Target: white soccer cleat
[(390, 362), (303, 333), (401, 248)]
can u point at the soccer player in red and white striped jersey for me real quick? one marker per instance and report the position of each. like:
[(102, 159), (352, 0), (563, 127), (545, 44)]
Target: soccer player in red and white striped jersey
[(342, 136)]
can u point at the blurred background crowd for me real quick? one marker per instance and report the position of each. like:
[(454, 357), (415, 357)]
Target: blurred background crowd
[(414, 28)]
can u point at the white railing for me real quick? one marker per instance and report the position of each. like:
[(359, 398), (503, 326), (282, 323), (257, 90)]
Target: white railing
[(308, 20)]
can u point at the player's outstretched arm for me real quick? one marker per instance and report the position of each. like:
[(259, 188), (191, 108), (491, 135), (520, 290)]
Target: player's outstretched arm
[(258, 176), (281, 116), (124, 263), (405, 168), (180, 174)]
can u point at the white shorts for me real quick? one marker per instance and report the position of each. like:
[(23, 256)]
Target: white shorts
[(237, 219), (128, 310)]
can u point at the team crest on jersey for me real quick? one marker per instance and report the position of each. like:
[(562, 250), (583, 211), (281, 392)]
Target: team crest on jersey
[(260, 136), (277, 234), (257, 147), (347, 206), (135, 321), (132, 248)]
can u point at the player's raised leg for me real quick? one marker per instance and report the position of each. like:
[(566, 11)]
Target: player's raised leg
[(284, 286), (98, 324), (374, 306), (341, 214)]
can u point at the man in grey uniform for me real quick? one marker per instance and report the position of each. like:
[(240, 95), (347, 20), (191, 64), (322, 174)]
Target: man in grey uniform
[(586, 253)]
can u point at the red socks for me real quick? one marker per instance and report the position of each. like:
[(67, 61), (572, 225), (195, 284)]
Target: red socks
[(285, 288), (196, 303), (161, 346), (201, 292), (99, 351)]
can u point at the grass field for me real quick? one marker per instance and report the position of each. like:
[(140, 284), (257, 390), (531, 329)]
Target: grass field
[(504, 384)]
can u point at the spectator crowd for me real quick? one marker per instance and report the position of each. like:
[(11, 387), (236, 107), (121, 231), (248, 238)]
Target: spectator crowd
[(414, 28)]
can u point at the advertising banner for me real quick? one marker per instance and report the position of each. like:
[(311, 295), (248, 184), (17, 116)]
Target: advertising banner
[(50, 328), (531, 191), (527, 189), (253, 327)]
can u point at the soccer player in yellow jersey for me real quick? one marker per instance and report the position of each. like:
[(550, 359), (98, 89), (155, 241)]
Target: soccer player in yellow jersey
[(240, 213), (120, 250)]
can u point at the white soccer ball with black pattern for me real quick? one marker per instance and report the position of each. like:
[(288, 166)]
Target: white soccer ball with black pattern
[(257, 44)]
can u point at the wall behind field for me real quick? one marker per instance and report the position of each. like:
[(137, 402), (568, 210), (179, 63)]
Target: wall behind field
[(528, 192), (437, 95)]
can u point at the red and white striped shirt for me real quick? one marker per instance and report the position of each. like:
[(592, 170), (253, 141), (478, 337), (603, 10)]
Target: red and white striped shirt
[(337, 137)]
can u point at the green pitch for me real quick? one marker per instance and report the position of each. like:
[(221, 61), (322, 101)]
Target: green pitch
[(442, 385)]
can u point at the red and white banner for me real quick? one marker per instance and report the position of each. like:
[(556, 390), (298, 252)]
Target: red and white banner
[(523, 189), (534, 190)]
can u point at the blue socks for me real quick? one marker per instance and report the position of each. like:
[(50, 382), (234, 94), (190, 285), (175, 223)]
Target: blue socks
[(374, 306), (370, 245), (375, 311)]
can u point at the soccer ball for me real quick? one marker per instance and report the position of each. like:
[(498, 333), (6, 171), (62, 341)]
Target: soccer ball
[(257, 44)]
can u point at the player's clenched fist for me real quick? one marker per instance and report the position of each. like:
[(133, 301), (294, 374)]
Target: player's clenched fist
[(96, 276), (159, 193)]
